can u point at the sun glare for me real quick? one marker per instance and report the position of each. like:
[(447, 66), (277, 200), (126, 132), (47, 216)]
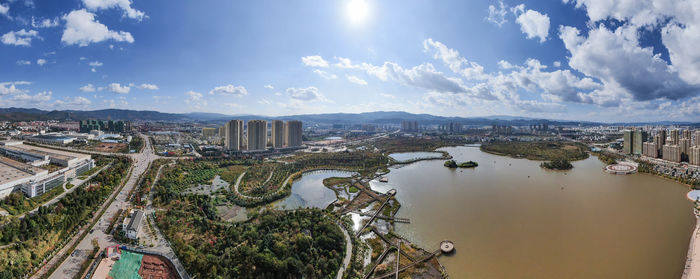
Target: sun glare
[(357, 11)]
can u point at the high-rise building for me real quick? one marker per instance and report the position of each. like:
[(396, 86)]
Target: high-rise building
[(694, 156), (684, 145), (409, 126), (292, 133), (660, 141), (697, 138), (650, 149), (277, 133), (208, 132), (639, 137), (674, 137), (233, 131), (222, 131), (672, 152), (257, 134), (628, 145)]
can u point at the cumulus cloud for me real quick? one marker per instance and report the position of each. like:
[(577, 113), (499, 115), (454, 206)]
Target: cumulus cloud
[(83, 29), (195, 99), (268, 86), (118, 88), (20, 38), (325, 74), (554, 86), (95, 64), (4, 9), (124, 5), (497, 15), (40, 97), (314, 61), (678, 21), (148, 86), (307, 94), (10, 87), (356, 80), (74, 102), (44, 23), (23, 62), (41, 62), (422, 76), (533, 24), (625, 68), (229, 90), (88, 88)]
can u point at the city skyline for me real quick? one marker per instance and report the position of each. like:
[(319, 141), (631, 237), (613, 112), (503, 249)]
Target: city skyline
[(569, 60)]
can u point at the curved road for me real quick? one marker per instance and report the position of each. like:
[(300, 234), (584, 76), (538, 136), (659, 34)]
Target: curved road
[(348, 253)]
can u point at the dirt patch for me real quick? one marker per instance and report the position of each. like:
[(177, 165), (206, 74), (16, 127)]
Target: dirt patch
[(155, 267), (109, 147)]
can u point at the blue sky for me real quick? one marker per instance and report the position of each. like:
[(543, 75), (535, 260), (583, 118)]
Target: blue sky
[(573, 59)]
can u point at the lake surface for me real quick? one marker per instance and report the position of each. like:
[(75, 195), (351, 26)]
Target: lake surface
[(407, 156), (582, 223), (309, 191)]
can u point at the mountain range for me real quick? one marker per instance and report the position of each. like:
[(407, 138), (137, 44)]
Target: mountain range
[(378, 117)]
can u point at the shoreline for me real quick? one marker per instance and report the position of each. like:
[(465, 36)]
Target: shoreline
[(692, 263)]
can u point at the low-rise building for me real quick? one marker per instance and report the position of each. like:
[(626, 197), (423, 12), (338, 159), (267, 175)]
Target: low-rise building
[(132, 230)]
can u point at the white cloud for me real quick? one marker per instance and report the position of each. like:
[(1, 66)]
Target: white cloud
[(118, 88), (325, 74), (422, 76), (41, 62), (497, 15), (34, 99), (125, 5), (534, 24), (626, 69), (75, 101), (229, 90), (308, 94), (356, 80), (388, 96), (269, 87), (82, 29), (195, 99), (314, 61), (23, 62), (10, 87), (88, 88), (678, 20), (44, 23), (5, 10), (148, 86), (95, 64), (19, 38), (453, 60), (556, 64)]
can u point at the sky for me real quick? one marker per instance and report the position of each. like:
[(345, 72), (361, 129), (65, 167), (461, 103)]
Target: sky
[(595, 60)]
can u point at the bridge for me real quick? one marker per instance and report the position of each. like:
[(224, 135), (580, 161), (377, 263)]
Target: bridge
[(391, 193), (395, 219)]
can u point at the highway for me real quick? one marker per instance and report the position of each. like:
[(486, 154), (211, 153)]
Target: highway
[(71, 266)]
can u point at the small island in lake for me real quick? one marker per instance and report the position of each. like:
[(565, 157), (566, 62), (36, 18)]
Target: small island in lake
[(452, 164), (558, 164)]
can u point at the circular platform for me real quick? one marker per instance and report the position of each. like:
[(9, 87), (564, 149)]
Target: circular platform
[(447, 247), (391, 192), (621, 169)]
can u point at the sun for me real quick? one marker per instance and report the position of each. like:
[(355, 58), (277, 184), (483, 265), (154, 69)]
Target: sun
[(357, 11)]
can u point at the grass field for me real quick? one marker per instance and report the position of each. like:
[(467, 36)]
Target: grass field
[(541, 151)]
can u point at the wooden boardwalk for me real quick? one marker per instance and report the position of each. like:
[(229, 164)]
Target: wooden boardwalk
[(390, 195), (395, 219)]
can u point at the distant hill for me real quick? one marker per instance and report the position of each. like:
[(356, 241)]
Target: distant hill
[(377, 117)]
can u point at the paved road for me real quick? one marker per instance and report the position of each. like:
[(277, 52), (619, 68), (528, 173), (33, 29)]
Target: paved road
[(70, 267), (348, 253)]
